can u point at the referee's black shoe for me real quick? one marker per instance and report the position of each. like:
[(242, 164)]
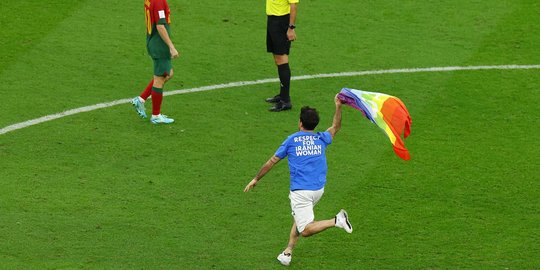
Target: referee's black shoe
[(274, 99), (281, 106)]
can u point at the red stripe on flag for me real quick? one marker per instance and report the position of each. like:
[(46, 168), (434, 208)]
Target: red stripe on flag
[(397, 117)]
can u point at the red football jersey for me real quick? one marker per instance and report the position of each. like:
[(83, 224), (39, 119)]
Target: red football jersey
[(156, 12)]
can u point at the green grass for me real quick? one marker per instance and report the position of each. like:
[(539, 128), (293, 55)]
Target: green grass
[(107, 190)]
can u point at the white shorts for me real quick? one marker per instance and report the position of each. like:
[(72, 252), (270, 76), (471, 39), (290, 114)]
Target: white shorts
[(302, 203)]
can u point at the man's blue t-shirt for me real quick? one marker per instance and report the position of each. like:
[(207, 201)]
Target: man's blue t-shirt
[(307, 159)]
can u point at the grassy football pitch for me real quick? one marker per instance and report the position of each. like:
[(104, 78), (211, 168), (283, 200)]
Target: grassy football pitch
[(105, 189)]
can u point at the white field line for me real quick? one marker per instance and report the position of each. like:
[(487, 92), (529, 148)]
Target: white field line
[(51, 117)]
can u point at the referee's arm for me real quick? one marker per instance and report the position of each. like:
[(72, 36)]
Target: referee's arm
[(291, 34)]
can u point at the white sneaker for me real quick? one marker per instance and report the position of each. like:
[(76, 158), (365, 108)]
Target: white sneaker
[(284, 259), (342, 221)]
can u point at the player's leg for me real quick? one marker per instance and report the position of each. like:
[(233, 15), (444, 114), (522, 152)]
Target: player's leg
[(169, 76), (157, 98), (157, 94), (147, 91), (138, 101), (162, 73), (157, 91)]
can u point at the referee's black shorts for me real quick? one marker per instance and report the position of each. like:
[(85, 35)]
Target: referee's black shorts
[(276, 35)]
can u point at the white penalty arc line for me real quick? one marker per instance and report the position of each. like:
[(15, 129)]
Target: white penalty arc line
[(55, 116)]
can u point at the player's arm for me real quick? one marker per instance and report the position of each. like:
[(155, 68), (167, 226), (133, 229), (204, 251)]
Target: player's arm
[(291, 33), (165, 37), (336, 123), (262, 172)]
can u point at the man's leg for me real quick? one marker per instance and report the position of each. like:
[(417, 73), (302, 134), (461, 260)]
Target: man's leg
[(341, 220), (157, 91), (138, 102), (157, 98), (147, 91), (293, 238), (285, 257), (157, 95), (169, 76), (318, 226), (312, 229), (284, 72)]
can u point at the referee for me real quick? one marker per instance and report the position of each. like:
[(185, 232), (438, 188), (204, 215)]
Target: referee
[(279, 35)]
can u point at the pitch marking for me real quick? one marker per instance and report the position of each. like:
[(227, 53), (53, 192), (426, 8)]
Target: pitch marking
[(51, 117)]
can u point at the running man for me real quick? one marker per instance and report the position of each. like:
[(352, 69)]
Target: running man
[(161, 50), (306, 151)]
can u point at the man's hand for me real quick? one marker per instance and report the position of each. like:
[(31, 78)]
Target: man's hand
[(336, 123), (337, 101), (174, 53), (291, 35), (265, 168), (251, 185)]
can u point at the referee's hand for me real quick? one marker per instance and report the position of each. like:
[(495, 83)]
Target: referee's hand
[(291, 35)]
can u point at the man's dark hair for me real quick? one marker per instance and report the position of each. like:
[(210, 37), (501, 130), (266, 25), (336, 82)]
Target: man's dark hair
[(309, 117)]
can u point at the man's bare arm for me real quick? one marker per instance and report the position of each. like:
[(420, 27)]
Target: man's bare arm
[(262, 172), (165, 36), (336, 123)]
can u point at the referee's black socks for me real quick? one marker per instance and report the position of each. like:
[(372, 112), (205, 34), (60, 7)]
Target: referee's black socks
[(284, 72)]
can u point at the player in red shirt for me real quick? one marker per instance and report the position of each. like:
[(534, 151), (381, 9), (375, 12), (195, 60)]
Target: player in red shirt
[(161, 50)]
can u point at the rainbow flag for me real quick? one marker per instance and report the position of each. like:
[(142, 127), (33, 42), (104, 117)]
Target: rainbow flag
[(387, 112)]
